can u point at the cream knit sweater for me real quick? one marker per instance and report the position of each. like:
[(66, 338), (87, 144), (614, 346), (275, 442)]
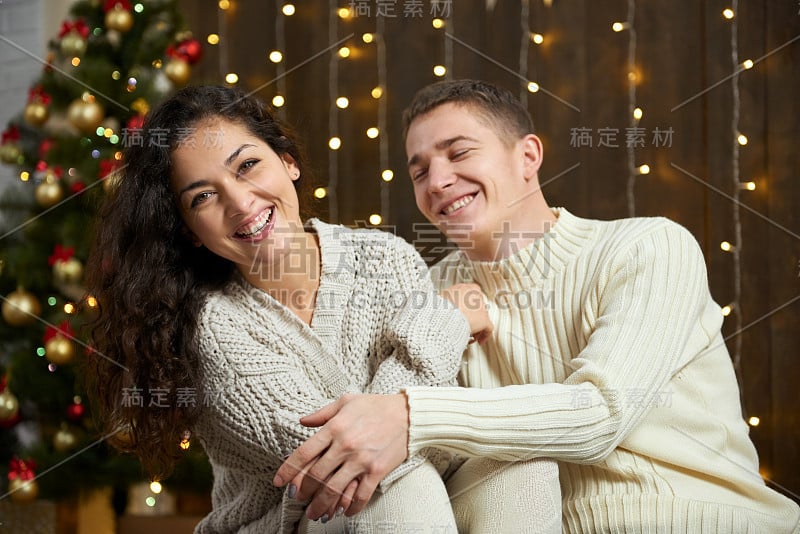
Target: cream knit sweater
[(633, 388), (378, 325)]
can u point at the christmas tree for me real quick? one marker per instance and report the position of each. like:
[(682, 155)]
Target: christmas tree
[(111, 61)]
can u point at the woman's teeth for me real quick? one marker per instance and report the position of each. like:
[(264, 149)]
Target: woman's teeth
[(258, 224), (460, 203)]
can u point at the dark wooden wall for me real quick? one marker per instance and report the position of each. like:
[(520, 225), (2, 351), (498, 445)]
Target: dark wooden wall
[(683, 49)]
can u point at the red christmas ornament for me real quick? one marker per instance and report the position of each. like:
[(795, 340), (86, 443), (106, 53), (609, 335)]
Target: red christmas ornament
[(41, 166), (107, 166), (10, 135), (45, 146), (38, 96), (77, 187), (60, 254), (108, 5), (75, 412), (135, 123), (189, 50), (21, 469), (77, 25), (64, 329)]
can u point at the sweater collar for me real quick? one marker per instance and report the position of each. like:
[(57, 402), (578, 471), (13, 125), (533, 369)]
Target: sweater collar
[(536, 262)]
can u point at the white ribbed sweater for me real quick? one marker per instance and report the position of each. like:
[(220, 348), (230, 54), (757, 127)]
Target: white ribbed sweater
[(633, 388), (378, 325)]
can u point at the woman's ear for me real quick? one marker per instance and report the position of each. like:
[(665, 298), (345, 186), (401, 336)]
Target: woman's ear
[(291, 166)]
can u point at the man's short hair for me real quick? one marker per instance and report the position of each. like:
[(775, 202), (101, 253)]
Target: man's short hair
[(495, 107)]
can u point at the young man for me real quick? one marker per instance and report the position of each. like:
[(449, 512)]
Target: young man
[(606, 354)]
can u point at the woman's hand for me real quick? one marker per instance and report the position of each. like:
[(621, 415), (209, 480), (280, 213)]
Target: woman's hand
[(468, 298), (362, 439)]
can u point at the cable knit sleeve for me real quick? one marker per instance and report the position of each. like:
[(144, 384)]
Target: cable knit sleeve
[(425, 336), (651, 295), (257, 389)]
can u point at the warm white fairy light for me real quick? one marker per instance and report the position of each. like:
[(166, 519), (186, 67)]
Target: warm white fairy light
[(342, 102), (726, 246), (320, 192), (437, 23), (533, 87), (334, 143), (728, 13), (376, 92), (373, 132), (635, 113), (754, 421), (439, 70), (344, 13), (278, 101), (224, 4), (288, 10), (375, 219), (741, 139), (368, 37), (275, 56), (726, 310), (212, 38), (537, 38), (344, 52), (155, 486), (747, 64), (231, 78), (387, 175)]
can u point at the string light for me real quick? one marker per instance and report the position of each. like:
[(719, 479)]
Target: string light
[(747, 64), (76, 61), (320, 192), (278, 101), (439, 70), (275, 56), (376, 93), (437, 23), (726, 310), (212, 38), (155, 487), (91, 302), (619, 26), (644, 169), (344, 52), (342, 102), (387, 175), (335, 143), (533, 87), (24, 176), (537, 38), (638, 113), (288, 10), (368, 37), (728, 13), (748, 186), (344, 13), (741, 139), (726, 246), (375, 219), (224, 4), (383, 142), (373, 132), (69, 308), (754, 421), (635, 112), (232, 78)]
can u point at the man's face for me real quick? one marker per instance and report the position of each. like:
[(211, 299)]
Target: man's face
[(467, 180)]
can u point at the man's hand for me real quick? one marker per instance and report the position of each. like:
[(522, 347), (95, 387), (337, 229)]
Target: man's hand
[(468, 298), (362, 439)]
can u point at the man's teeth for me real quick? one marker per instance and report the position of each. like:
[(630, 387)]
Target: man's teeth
[(460, 203), (258, 224)]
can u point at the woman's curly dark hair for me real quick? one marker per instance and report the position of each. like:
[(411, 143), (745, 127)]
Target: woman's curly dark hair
[(150, 280)]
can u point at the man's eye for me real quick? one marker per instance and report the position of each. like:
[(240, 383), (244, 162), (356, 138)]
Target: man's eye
[(419, 174)]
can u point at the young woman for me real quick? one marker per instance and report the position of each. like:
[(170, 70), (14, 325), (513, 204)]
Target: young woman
[(235, 319)]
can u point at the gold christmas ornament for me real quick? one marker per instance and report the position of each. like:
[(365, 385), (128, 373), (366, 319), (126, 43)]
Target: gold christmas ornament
[(178, 71), (65, 439), (86, 116), (9, 406), (48, 193), (68, 272), (9, 153), (73, 44), (119, 19), (21, 308), (23, 490), (140, 106), (36, 113), (59, 350)]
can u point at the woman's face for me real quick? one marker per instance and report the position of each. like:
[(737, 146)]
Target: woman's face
[(236, 195)]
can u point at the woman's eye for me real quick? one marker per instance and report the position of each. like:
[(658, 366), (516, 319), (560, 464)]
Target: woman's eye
[(459, 154), (247, 165), (200, 198)]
